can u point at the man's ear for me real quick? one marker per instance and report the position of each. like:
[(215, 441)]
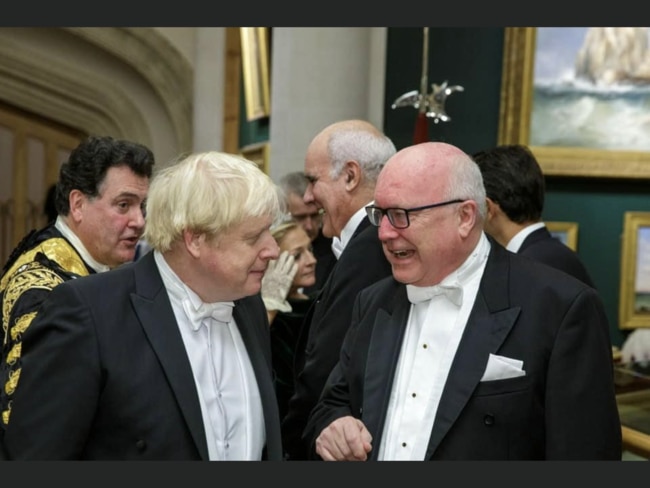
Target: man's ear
[(76, 200), (352, 175), (193, 242), (492, 208), (467, 214)]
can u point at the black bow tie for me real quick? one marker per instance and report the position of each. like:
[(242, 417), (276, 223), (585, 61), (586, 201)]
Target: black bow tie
[(417, 294)]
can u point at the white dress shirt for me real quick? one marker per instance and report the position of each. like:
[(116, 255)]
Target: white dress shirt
[(433, 332), (230, 400), (338, 244), (518, 239)]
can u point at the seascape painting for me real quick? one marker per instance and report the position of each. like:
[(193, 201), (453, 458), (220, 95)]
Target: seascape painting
[(642, 279), (591, 88)]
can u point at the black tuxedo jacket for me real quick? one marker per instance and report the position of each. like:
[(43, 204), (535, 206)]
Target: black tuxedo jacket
[(361, 263), (541, 246), (563, 408), (106, 376)]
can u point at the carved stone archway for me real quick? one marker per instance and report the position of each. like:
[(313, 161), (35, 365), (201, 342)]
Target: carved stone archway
[(69, 93), (159, 62)]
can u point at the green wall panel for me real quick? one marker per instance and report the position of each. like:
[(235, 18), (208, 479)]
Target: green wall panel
[(598, 206), (467, 57), (251, 132)]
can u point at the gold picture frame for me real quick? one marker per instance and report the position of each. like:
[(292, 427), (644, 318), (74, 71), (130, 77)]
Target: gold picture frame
[(515, 120), (259, 153), (255, 68), (634, 300), (566, 232)]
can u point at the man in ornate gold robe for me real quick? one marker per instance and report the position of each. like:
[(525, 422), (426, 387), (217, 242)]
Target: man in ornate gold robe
[(99, 200)]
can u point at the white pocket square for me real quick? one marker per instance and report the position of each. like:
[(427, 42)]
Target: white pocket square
[(501, 368)]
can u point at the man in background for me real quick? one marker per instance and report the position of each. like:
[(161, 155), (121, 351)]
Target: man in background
[(99, 200), (515, 190), (342, 164), (309, 216)]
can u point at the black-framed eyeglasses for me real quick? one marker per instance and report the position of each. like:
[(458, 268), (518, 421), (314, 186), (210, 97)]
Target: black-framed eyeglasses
[(399, 217)]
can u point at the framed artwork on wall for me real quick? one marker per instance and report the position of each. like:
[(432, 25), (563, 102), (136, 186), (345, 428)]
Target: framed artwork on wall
[(566, 232), (258, 153), (255, 69), (580, 98), (634, 301)]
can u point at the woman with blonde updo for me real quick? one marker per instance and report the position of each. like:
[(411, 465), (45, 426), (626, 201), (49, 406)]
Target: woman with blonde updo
[(287, 311)]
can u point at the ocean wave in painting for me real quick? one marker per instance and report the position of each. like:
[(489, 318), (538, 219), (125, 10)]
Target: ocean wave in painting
[(576, 113)]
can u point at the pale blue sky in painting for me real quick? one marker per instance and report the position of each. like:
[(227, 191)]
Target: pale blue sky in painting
[(555, 52), (643, 261)]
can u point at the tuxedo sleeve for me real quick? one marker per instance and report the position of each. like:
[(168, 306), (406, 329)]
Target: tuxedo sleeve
[(335, 400), (58, 391), (582, 416)]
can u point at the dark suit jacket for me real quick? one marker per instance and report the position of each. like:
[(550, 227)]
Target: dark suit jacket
[(563, 408), (362, 263), (541, 246), (106, 376), (325, 261)]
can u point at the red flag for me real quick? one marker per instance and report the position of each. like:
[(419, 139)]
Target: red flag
[(421, 132)]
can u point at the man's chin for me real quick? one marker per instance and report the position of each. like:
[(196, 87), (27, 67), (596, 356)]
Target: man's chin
[(126, 256), (327, 232), (253, 289)]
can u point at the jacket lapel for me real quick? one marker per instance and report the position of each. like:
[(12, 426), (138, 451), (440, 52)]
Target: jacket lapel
[(383, 354), (258, 359), (263, 375), (152, 306), (490, 321)]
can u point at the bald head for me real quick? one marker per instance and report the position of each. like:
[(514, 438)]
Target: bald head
[(430, 171), (348, 125), (342, 164), (352, 140), (423, 167)]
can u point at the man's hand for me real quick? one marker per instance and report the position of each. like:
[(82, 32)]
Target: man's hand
[(277, 280), (345, 439)]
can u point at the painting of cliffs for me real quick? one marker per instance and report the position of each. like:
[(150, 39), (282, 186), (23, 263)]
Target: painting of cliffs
[(614, 55), (591, 88)]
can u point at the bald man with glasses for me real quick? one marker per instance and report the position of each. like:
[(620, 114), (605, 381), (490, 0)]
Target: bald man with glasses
[(468, 351)]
